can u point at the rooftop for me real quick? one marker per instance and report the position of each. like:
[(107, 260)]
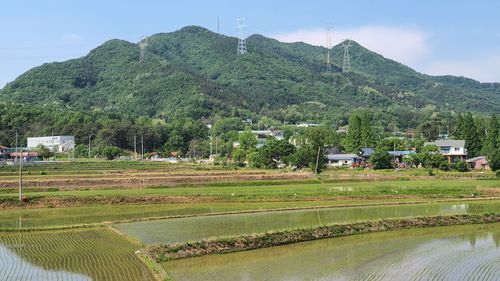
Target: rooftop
[(447, 143), (342, 156)]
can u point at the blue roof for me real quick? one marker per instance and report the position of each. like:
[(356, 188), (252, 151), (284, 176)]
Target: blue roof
[(401, 152), (367, 151)]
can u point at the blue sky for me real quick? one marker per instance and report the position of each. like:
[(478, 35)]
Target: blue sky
[(434, 37)]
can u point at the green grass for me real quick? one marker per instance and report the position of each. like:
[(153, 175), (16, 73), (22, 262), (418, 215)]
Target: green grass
[(438, 188), (89, 254)]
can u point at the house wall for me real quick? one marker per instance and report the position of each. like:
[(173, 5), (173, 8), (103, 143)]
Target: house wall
[(340, 163), (480, 164), (452, 150), (59, 143)]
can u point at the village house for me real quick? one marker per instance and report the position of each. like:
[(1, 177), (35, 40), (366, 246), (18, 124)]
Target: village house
[(400, 155), (453, 150), (262, 136), (4, 154), (54, 143), (478, 163), (343, 160)]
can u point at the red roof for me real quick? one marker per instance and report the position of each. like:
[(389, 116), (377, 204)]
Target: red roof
[(25, 154)]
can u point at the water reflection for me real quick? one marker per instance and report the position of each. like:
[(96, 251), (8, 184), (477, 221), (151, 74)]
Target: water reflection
[(15, 268), (198, 228), (444, 253)]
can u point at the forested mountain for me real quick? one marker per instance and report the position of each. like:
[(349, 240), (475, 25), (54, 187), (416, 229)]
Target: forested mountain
[(196, 73)]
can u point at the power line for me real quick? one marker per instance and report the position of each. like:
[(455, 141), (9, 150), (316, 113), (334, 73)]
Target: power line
[(242, 44), (46, 47), (142, 45), (41, 58), (328, 47), (346, 66)]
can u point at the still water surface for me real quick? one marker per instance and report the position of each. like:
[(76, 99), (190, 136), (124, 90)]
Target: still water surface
[(441, 253), (198, 228)]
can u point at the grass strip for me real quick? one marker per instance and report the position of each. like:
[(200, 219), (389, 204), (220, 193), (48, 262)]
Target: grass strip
[(163, 253)]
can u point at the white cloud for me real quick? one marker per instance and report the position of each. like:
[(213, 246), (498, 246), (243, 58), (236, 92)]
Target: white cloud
[(71, 38), (485, 69), (407, 45)]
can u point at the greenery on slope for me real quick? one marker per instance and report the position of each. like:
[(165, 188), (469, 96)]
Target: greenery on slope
[(194, 75)]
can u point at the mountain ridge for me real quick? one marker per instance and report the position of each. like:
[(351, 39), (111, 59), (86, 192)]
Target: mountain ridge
[(195, 72)]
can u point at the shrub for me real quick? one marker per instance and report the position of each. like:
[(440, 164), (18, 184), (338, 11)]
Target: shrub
[(461, 166), (444, 166), (381, 160)]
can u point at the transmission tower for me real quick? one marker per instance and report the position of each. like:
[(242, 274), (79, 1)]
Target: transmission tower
[(346, 67), (142, 46), (242, 44), (329, 48)]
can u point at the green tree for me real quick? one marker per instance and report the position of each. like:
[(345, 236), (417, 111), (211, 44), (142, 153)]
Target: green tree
[(494, 160), (461, 166), (491, 140), (430, 157), (469, 133), (367, 135), (247, 140), (274, 152), (304, 156), (111, 152), (381, 159), (354, 139), (44, 151)]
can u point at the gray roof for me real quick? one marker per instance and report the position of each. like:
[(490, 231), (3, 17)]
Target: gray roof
[(475, 159), (447, 143), (367, 151), (342, 156)]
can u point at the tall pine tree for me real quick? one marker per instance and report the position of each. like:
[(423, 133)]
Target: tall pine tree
[(353, 140), (491, 140), (367, 134), (469, 134)]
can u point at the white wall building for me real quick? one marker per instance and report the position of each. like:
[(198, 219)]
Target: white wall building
[(342, 160), (452, 149), (54, 143)]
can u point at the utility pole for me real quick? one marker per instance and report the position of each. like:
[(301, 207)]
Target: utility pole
[(135, 147), (142, 147), (21, 177), (317, 160), (216, 139), (242, 44), (89, 145), (346, 66)]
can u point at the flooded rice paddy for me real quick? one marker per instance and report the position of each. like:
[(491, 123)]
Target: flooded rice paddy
[(83, 255), (441, 253), (204, 227)]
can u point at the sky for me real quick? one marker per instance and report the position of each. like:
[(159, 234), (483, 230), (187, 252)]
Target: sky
[(434, 37)]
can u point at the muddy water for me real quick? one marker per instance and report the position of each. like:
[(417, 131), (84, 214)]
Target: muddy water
[(442, 253), (198, 228)]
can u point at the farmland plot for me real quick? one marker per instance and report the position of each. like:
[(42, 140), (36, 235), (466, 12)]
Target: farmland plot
[(89, 254)]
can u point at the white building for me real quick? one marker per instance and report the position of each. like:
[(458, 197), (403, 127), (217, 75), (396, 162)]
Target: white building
[(262, 135), (452, 149), (54, 143), (342, 160)]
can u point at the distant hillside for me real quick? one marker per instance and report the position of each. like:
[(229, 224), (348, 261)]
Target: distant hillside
[(196, 73)]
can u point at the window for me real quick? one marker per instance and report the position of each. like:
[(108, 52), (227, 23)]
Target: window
[(457, 148)]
